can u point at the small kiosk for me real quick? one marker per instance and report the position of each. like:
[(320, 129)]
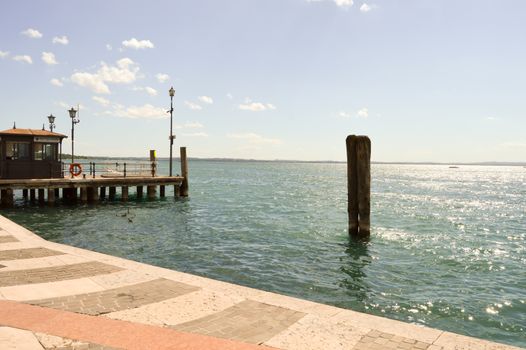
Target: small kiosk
[(30, 154)]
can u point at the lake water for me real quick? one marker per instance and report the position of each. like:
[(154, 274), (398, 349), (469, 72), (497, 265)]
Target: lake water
[(447, 247)]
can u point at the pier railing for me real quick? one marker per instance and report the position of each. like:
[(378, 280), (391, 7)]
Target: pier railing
[(114, 169)]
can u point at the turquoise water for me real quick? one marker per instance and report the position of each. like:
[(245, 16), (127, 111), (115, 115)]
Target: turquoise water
[(447, 249)]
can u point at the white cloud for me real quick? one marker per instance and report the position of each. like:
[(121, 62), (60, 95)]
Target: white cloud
[(363, 113), (68, 106), (63, 40), (206, 99), (49, 58), (56, 82), (256, 106), (344, 3), (101, 100), (366, 7), (138, 112), (32, 33), (229, 96), (124, 72), (150, 91), (23, 58), (90, 81), (193, 106), (138, 44), (162, 77), (196, 134), (193, 125), (491, 118), (108, 47), (4, 54), (254, 138)]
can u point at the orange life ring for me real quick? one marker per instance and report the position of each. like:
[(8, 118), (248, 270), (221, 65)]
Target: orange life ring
[(75, 169)]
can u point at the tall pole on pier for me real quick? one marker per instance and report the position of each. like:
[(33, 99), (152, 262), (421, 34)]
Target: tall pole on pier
[(172, 93), (72, 115)]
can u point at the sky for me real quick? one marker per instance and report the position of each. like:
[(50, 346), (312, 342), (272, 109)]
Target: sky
[(426, 80)]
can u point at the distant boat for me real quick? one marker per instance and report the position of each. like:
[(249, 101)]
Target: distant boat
[(453, 167)]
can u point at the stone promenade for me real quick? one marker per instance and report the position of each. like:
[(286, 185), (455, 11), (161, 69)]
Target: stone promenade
[(54, 296)]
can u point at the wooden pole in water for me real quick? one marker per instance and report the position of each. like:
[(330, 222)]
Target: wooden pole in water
[(359, 184), (184, 173), (124, 193), (352, 185), (151, 190), (50, 196), (41, 196), (112, 193)]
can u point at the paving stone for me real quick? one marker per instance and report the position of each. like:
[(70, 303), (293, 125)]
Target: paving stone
[(381, 340), (249, 321), (55, 273), (28, 253), (8, 239), (123, 298)]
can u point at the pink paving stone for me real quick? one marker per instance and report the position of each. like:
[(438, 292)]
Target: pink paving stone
[(109, 332)]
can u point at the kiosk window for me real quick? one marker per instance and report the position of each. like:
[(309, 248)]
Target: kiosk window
[(45, 151), (17, 150)]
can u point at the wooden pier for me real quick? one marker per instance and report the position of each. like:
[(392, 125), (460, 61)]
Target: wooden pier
[(92, 188), (88, 189)]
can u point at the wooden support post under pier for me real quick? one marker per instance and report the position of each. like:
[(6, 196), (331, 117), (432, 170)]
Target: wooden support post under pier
[(184, 172), (139, 191), (41, 196), (93, 194), (112, 193), (162, 190), (24, 194), (83, 194), (177, 191), (359, 184), (7, 198), (32, 196), (151, 190), (50, 196), (103, 192), (57, 193), (124, 193)]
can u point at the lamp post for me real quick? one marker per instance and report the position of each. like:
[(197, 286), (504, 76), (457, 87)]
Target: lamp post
[(72, 115), (51, 119), (172, 137)]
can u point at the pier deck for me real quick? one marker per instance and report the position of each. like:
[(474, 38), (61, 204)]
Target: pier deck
[(87, 189), (89, 181), (54, 296)]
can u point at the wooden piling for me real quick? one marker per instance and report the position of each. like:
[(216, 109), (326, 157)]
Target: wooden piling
[(177, 191), (124, 193), (151, 190), (7, 198), (41, 196), (102, 192), (359, 184), (83, 194), (93, 194), (50, 196), (24, 193), (32, 196), (139, 192), (184, 172), (112, 193), (162, 189), (57, 193)]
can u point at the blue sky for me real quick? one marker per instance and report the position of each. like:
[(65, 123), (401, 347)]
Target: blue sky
[(427, 80)]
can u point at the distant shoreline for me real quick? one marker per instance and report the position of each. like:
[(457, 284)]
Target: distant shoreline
[(490, 163)]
